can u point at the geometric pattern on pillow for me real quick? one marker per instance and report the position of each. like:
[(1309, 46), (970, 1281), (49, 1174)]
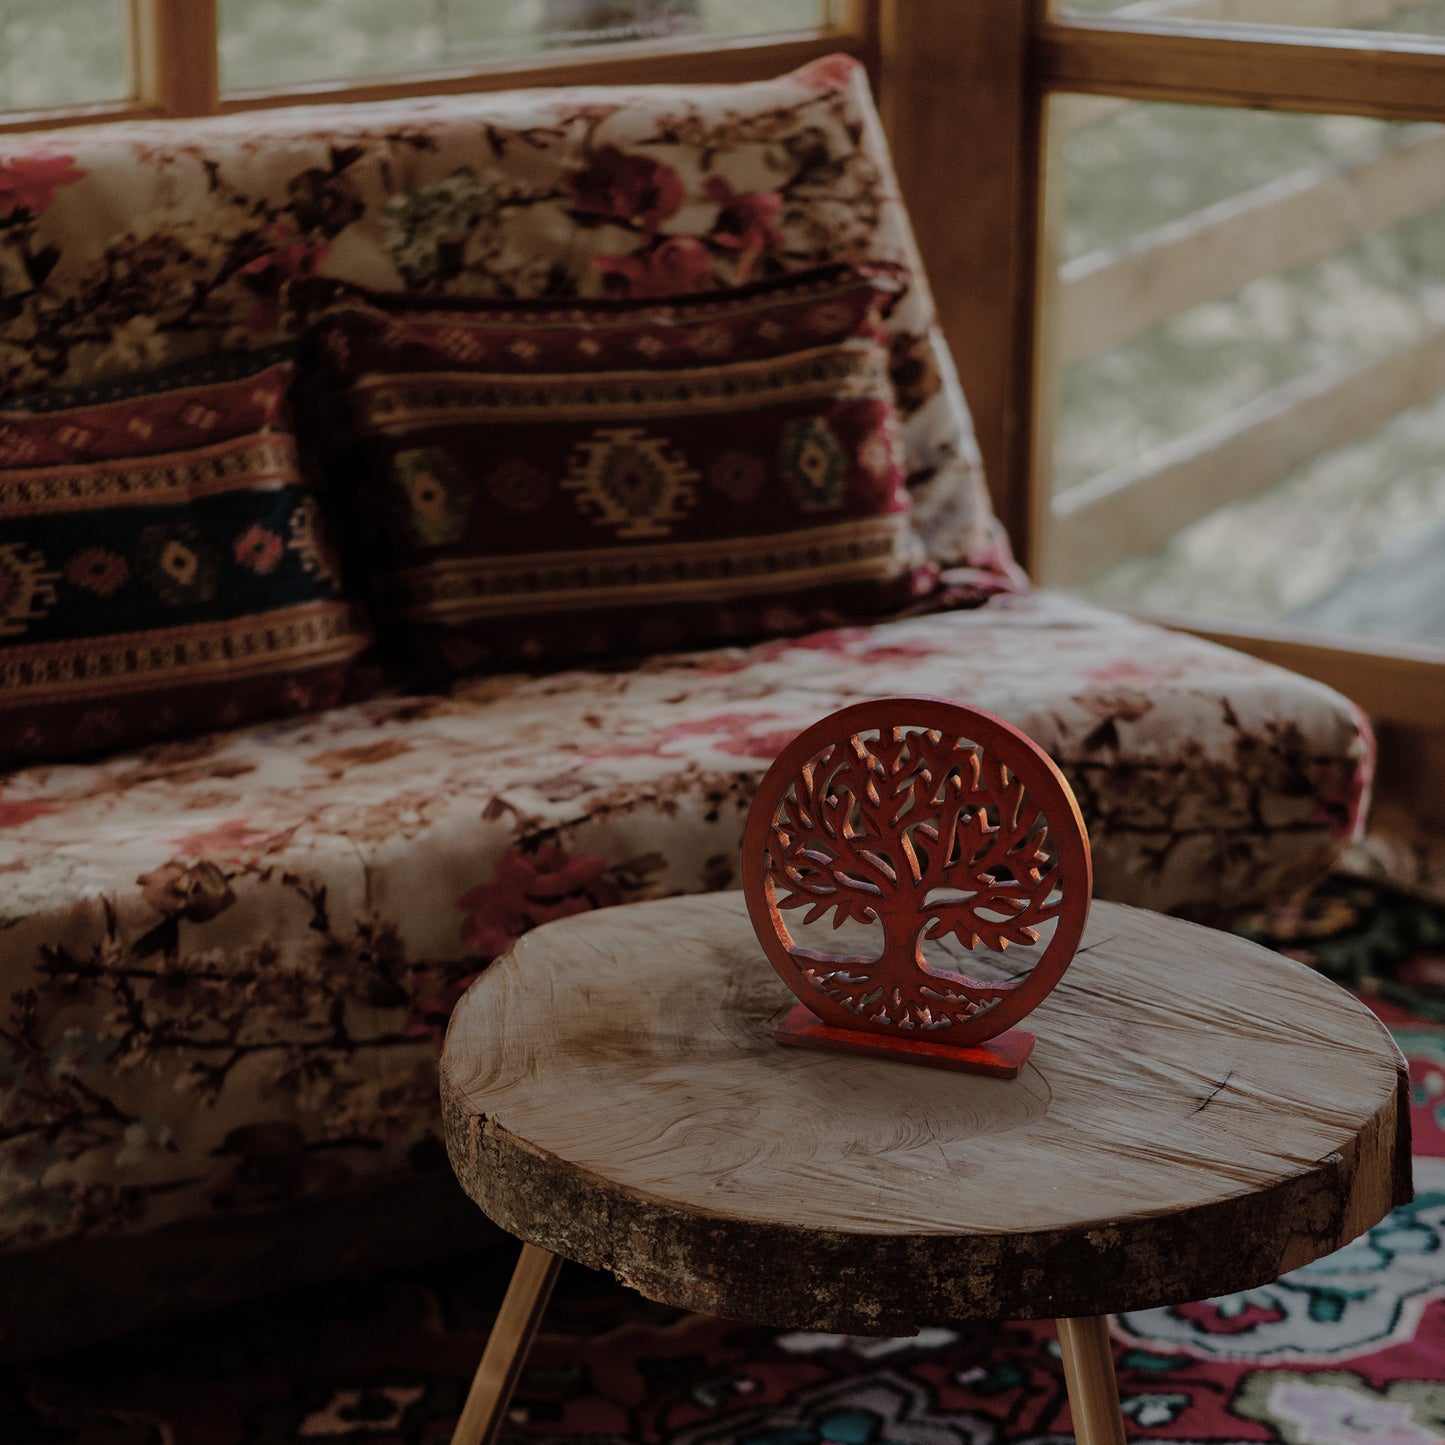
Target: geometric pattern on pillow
[(555, 480), (164, 566)]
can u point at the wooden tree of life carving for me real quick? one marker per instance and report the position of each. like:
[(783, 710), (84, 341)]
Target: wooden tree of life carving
[(921, 821)]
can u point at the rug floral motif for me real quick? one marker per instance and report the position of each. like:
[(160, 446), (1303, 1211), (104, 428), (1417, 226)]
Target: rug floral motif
[(1347, 1351)]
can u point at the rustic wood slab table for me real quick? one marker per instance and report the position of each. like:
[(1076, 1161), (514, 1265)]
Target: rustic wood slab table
[(1199, 1116)]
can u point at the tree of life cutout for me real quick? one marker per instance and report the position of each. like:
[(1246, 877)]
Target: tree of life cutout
[(932, 820)]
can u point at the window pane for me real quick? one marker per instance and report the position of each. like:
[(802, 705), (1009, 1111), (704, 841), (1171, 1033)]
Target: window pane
[(272, 43), (1250, 417), (57, 53), (1415, 17)]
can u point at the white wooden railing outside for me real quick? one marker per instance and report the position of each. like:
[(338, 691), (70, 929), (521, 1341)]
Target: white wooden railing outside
[(1106, 298)]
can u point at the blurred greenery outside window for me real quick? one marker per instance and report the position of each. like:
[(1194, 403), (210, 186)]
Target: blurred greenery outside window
[(1404, 17), (56, 53), (1327, 541), (268, 43), (60, 53)]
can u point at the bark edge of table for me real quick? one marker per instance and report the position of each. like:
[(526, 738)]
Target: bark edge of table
[(801, 1277)]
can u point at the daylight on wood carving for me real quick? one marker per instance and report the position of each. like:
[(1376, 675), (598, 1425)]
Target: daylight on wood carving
[(925, 822), (896, 828)]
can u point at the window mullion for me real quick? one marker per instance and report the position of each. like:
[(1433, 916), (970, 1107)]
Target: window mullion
[(176, 63), (963, 128)]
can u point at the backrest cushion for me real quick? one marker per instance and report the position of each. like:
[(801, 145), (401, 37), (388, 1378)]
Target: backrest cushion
[(164, 567), (555, 480), (130, 246)]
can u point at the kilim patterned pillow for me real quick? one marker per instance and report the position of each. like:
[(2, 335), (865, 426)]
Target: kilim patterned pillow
[(163, 563), (582, 479)]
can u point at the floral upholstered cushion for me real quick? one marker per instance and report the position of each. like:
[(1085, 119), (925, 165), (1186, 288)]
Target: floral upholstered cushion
[(551, 480), (226, 962), (125, 247), (163, 563)]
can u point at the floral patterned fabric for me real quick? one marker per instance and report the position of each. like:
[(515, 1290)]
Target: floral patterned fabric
[(227, 962), (125, 247)]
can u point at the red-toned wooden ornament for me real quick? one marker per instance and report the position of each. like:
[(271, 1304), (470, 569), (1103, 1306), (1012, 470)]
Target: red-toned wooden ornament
[(924, 820)]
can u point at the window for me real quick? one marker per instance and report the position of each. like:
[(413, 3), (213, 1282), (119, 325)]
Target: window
[(63, 53), (1249, 382), (268, 44), (1416, 17), (78, 60), (1238, 411)]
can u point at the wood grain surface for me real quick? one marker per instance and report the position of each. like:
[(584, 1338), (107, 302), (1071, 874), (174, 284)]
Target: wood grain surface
[(1200, 1115)]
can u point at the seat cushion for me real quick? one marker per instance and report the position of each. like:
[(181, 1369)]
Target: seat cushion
[(227, 961)]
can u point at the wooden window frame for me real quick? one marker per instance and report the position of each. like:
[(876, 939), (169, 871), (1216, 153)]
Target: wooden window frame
[(991, 67), (1257, 67)]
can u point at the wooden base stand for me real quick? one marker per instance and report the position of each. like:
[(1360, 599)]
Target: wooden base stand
[(1000, 1057)]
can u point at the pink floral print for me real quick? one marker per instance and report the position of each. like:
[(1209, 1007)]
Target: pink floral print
[(29, 182)]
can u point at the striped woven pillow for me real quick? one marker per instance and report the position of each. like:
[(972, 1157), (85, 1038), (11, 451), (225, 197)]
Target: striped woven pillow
[(547, 482)]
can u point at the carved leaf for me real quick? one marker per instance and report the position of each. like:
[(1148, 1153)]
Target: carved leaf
[(870, 817), (929, 834), (830, 862)]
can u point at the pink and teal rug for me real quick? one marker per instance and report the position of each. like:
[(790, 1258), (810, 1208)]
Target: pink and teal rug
[(1350, 1351)]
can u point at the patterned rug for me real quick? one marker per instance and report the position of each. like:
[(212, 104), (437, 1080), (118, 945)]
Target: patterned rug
[(1347, 1351)]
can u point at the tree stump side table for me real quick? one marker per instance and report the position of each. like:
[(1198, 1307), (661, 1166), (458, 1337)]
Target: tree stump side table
[(1199, 1116)]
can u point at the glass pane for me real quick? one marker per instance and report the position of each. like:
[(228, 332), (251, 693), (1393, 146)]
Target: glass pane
[(1250, 417), (1411, 17), (56, 53), (267, 44)]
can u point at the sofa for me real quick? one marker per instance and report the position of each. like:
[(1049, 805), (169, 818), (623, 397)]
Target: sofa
[(254, 844)]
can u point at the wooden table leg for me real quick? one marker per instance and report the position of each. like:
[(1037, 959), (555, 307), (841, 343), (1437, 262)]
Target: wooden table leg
[(507, 1346), (1089, 1375)]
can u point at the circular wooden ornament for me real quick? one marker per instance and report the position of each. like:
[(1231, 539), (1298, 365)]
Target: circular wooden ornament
[(928, 820)]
